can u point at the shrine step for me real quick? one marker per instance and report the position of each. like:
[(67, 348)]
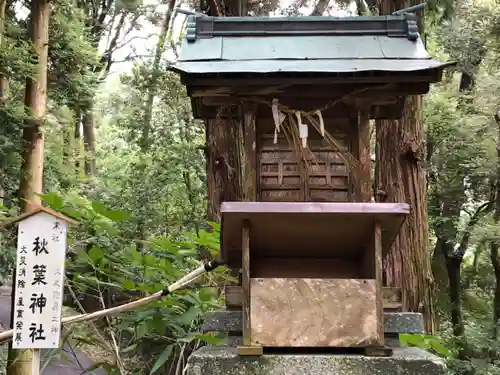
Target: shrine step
[(221, 360), (379, 351)]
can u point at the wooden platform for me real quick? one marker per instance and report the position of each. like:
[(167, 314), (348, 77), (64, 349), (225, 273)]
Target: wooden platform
[(306, 229)]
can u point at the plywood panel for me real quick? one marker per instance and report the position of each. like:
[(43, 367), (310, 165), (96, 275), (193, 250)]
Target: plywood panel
[(288, 312), (391, 297), (311, 268)]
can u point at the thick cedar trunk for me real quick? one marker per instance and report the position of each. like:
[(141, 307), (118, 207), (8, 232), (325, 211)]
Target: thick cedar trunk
[(223, 142), (31, 182), (494, 246), (400, 175), (35, 101)]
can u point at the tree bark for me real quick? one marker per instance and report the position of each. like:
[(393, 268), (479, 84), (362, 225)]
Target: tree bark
[(153, 81), (494, 246), (400, 173), (4, 83), (320, 7), (223, 164), (144, 142), (89, 140), (31, 181)]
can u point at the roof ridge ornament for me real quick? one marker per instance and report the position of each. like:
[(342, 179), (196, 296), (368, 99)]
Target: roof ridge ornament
[(411, 19), (201, 26)]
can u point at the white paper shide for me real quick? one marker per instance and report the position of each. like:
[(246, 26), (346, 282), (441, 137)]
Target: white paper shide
[(41, 253)]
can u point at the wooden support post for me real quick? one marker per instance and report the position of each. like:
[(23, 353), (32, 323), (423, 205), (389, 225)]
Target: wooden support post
[(364, 180), (249, 157), (378, 280), (245, 274), (247, 348), (378, 350)]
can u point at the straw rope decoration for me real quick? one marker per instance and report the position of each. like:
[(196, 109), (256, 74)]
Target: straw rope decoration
[(288, 124)]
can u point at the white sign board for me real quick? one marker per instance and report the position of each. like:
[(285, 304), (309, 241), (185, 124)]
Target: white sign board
[(41, 254)]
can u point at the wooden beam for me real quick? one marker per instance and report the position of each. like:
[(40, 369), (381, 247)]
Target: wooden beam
[(341, 110), (358, 91), (391, 297), (216, 80)]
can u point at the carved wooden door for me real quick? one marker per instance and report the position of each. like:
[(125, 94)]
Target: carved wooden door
[(283, 178)]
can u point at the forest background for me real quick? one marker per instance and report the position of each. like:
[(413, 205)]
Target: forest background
[(121, 152)]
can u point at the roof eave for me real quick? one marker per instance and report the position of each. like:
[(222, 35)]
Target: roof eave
[(395, 66)]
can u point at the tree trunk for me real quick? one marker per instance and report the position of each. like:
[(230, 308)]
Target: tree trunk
[(320, 8), (4, 83), (453, 267), (153, 82), (400, 174), (31, 182), (223, 164), (145, 141), (494, 246), (88, 128)]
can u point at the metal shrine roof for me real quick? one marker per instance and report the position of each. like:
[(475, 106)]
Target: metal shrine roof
[(232, 45)]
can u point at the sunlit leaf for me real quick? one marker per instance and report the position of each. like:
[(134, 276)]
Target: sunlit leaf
[(53, 200), (96, 254)]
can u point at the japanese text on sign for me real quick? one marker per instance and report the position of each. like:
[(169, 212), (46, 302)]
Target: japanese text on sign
[(41, 253)]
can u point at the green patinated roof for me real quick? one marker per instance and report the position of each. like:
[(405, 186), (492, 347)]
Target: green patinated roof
[(303, 45)]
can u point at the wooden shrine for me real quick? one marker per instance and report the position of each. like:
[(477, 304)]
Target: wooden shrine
[(311, 272), (299, 93)]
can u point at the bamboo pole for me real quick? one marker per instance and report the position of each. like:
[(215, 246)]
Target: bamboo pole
[(179, 284)]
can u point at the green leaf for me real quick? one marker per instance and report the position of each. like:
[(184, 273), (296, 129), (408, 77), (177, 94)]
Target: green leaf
[(162, 359), (189, 316), (127, 284), (53, 200), (71, 212), (99, 208), (209, 338), (206, 294), (96, 254), (116, 215)]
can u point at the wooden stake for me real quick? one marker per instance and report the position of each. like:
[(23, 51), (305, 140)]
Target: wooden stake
[(35, 362)]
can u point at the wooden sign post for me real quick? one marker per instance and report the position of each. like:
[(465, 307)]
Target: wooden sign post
[(38, 284)]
